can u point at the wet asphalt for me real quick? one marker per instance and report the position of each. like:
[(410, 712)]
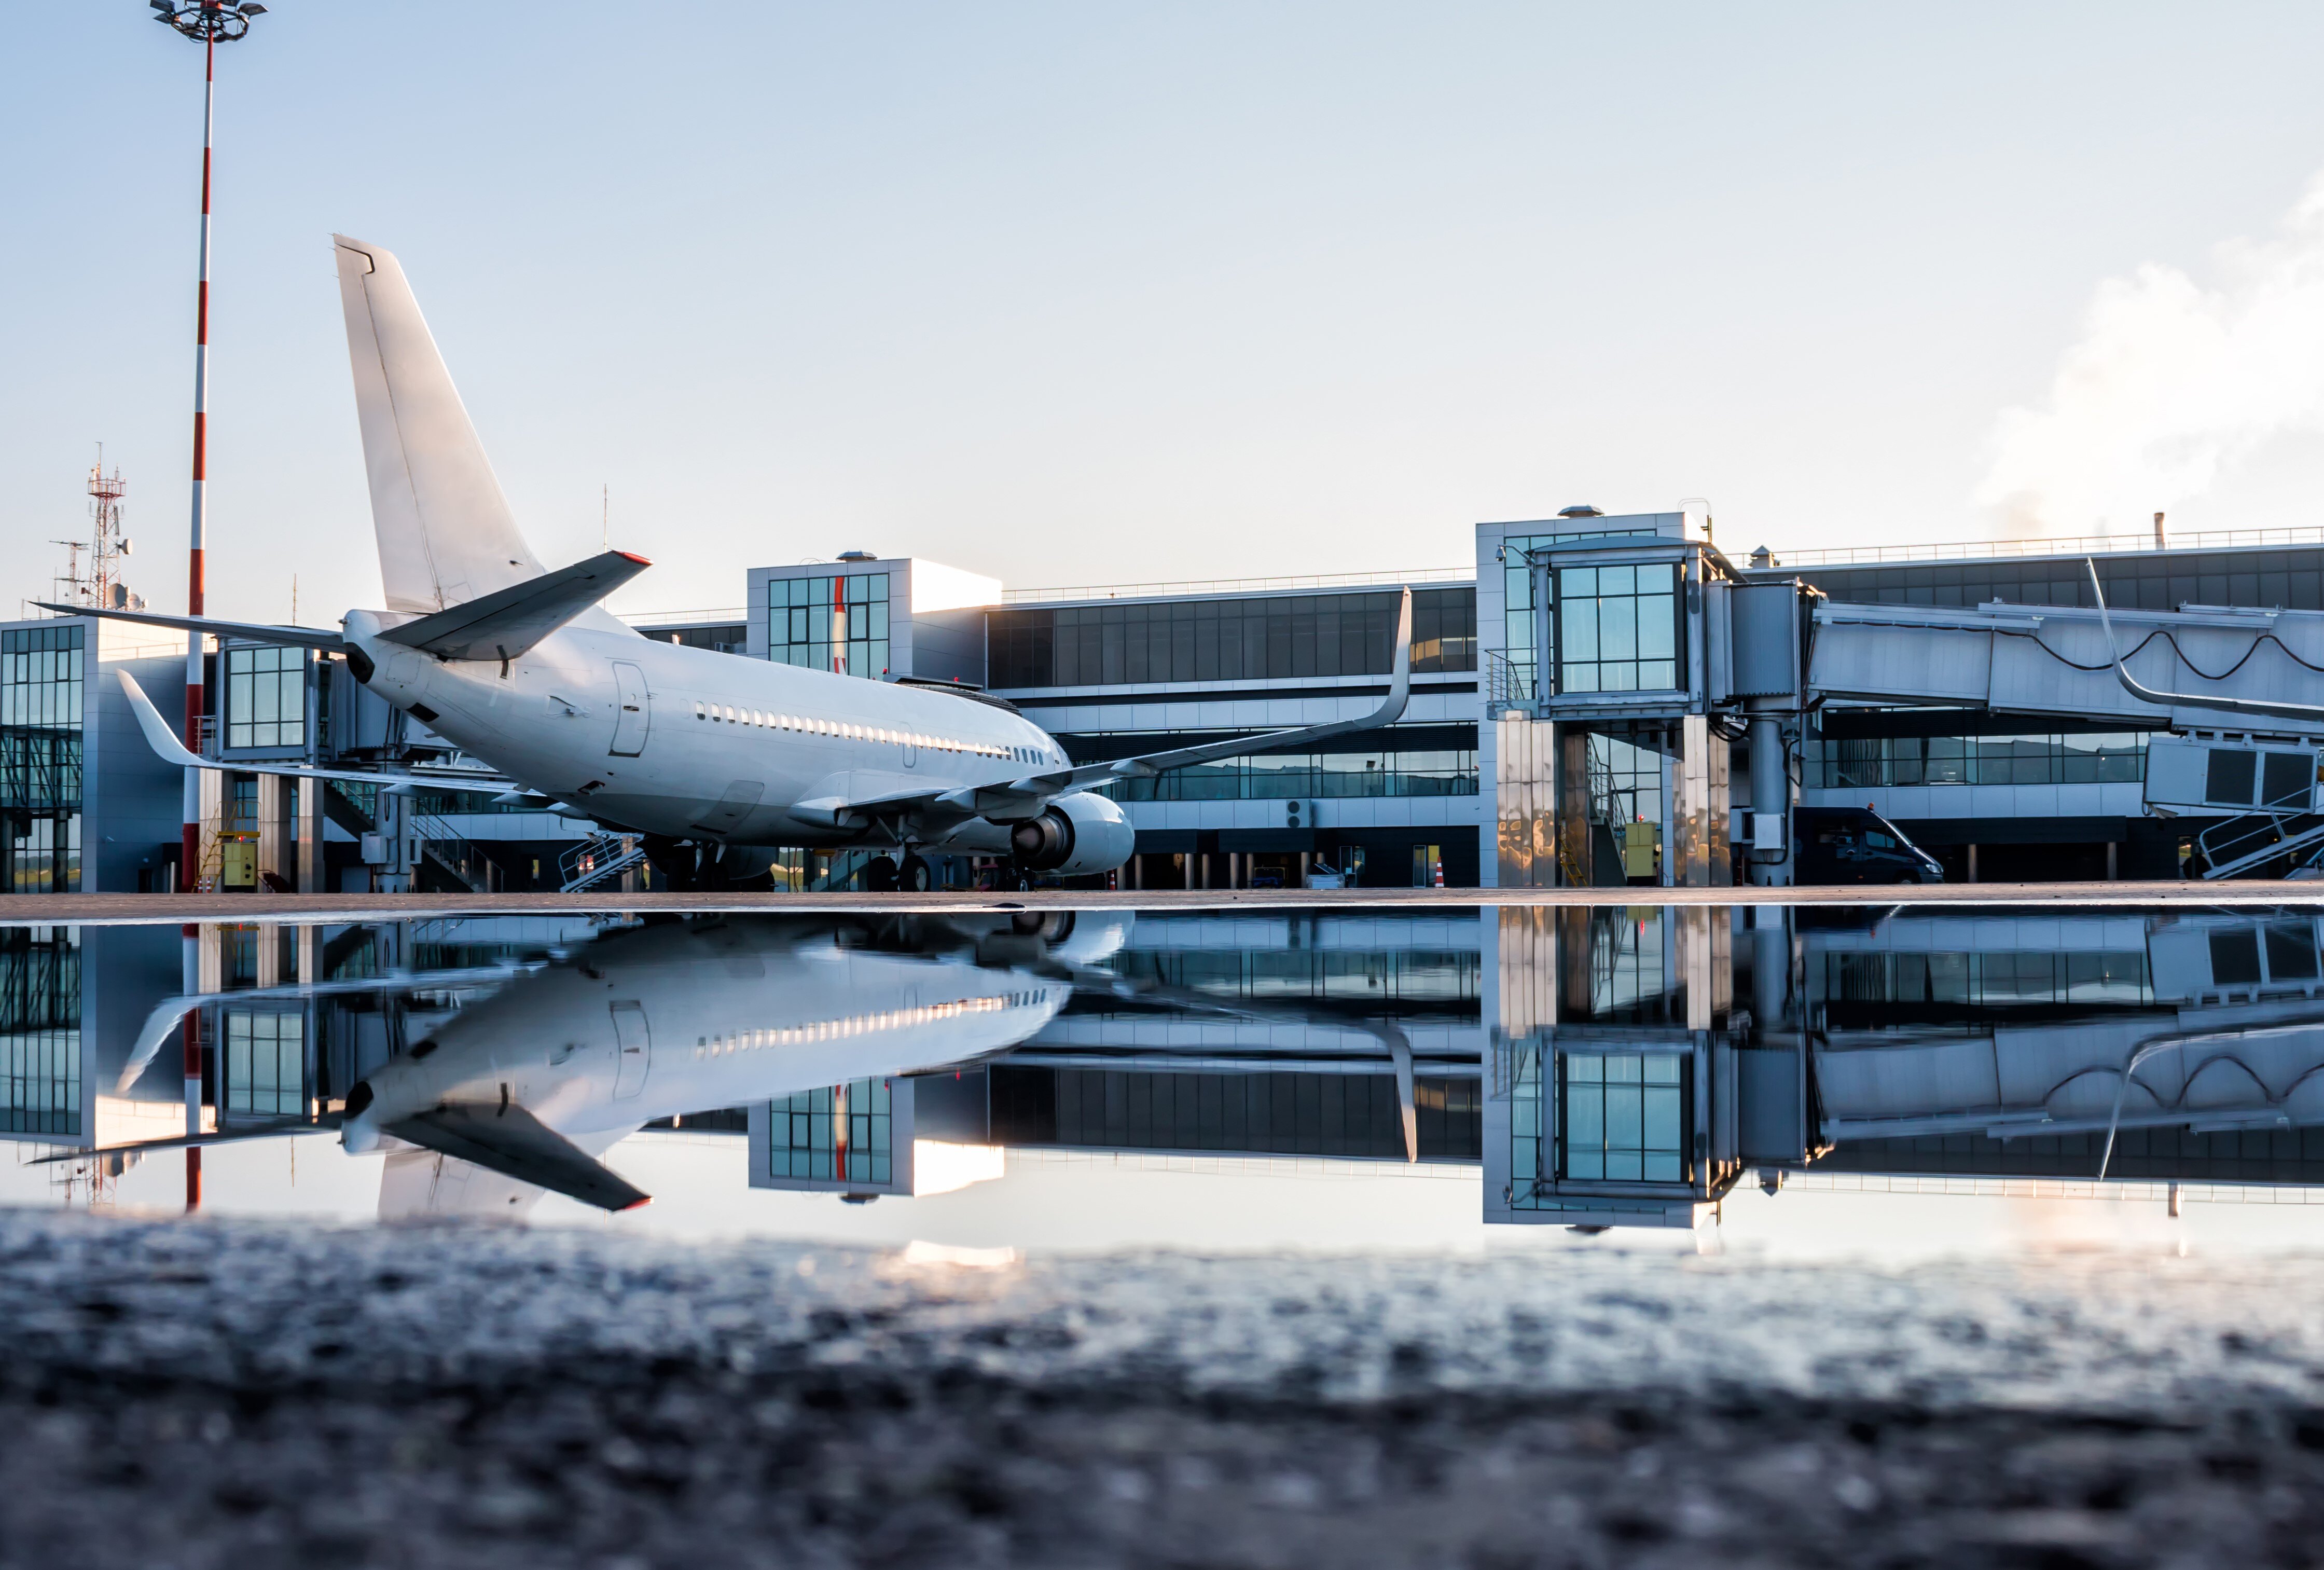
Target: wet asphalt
[(239, 1395)]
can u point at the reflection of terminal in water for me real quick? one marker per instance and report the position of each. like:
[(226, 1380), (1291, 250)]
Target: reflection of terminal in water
[(1614, 1066), (1629, 1085)]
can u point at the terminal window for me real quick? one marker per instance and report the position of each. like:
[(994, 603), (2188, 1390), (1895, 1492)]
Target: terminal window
[(41, 698), (830, 622), (1264, 638), (1617, 628), (1622, 1118), (265, 697), (838, 1135)]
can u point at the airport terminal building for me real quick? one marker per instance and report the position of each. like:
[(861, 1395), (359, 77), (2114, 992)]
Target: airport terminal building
[(1113, 672)]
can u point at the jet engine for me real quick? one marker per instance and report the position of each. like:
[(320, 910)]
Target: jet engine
[(1081, 833)]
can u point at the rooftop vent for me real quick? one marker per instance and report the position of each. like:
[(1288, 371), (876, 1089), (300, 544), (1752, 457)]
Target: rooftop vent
[(857, 556), (1580, 510)]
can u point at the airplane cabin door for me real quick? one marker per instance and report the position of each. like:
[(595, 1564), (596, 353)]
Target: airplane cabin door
[(634, 714), (635, 1043)]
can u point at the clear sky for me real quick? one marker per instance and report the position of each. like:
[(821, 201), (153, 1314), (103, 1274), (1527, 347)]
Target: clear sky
[(1090, 294)]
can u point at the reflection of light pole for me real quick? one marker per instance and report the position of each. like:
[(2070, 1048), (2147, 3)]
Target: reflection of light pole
[(209, 22)]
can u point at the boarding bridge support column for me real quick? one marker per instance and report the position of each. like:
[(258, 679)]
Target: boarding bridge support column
[(1524, 802), (1768, 862), (1699, 855)]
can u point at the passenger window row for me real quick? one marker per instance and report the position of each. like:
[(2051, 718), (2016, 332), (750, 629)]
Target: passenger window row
[(723, 713)]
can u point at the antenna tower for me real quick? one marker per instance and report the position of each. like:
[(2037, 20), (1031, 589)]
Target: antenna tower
[(100, 585)]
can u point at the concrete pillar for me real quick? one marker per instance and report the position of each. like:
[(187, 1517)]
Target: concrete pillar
[(1524, 802), (1205, 858), (2113, 874), (1137, 872), (310, 836), (1186, 866), (1666, 859), (1695, 854), (1704, 944), (1575, 858), (1972, 863), (1307, 866)]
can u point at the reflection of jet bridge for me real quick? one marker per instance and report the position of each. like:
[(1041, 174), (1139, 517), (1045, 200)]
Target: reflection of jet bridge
[(1660, 644)]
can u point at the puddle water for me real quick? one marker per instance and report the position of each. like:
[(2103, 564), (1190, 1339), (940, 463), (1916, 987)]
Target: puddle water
[(1867, 1080)]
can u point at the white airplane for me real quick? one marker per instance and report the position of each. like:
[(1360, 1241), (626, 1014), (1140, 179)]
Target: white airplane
[(538, 1080), (706, 755)]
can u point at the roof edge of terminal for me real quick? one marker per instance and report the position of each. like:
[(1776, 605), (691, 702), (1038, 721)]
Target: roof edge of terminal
[(1322, 582)]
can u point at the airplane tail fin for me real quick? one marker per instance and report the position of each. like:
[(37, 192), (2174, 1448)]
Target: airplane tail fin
[(446, 535)]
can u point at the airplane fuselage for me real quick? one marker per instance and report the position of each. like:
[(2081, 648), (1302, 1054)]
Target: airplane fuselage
[(693, 744)]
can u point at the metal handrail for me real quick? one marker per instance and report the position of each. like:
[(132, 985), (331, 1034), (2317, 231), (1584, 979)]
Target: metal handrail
[(2065, 545)]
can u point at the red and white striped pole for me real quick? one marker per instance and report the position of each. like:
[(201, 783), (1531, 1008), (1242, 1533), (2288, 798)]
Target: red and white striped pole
[(208, 20), (190, 846)]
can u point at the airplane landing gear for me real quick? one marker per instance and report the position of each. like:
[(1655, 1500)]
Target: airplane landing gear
[(916, 876)]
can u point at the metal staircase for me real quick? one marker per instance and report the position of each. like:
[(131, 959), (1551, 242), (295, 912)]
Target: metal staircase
[(595, 860)]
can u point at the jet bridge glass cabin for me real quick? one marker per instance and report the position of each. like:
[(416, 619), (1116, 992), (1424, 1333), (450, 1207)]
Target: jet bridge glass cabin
[(1616, 705)]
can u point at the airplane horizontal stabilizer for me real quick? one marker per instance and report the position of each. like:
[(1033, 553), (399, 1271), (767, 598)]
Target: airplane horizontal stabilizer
[(256, 631), (511, 1141), (164, 741), (505, 622)]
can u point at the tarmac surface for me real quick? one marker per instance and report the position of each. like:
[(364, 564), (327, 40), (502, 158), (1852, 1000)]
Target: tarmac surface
[(233, 1394), (66, 910)]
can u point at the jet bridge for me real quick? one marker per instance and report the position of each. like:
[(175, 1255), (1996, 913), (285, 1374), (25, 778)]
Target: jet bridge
[(1656, 648)]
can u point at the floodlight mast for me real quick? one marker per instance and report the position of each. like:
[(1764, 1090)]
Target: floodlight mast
[(208, 23)]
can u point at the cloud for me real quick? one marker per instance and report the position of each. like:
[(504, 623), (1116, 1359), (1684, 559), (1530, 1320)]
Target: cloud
[(2172, 384)]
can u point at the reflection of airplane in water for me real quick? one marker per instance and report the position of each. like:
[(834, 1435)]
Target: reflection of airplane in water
[(1645, 1060), (553, 1065)]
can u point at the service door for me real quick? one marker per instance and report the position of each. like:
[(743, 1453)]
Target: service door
[(635, 1044), (635, 714)]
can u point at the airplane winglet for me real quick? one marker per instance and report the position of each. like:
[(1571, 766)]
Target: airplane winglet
[(158, 734)]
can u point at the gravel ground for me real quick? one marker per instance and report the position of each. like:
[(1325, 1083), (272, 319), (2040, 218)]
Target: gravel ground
[(239, 1395)]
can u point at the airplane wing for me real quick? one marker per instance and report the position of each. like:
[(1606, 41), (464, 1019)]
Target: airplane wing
[(279, 1129), (162, 739), (511, 1141), (504, 624), (256, 631), (1025, 797)]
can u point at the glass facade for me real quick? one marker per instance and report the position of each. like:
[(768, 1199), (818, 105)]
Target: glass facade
[(1346, 1115), (832, 621), (839, 1135), (2292, 579), (1870, 762), (1269, 638), (1281, 776), (40, 730), (1623, 1116), (40, 1031), (1971, 980), (266, 697), (1516, 598), (1617, 628), (265, 1067)]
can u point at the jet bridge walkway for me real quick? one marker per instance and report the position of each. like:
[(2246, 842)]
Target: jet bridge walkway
[(1661, 644)]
